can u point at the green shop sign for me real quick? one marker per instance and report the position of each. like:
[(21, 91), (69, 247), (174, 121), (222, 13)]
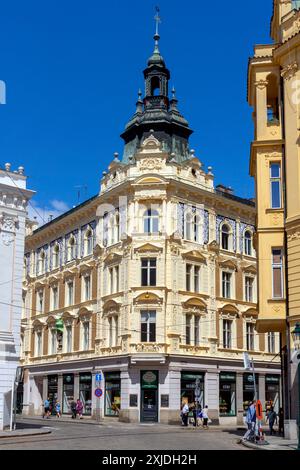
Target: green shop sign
[(149, 379)]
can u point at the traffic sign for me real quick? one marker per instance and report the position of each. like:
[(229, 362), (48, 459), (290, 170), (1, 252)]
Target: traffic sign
[(98, 392), (98, 377)]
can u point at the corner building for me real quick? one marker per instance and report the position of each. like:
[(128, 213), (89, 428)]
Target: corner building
[(152, 283)]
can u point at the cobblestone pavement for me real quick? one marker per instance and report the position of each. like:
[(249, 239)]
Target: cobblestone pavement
[(120, 436)]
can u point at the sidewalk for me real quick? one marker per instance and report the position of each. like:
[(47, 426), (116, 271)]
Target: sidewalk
[(62, 419), (25, 431), (273, 443)]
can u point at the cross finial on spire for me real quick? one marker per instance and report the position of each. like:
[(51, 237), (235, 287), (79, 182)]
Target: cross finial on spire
[(157, 36)]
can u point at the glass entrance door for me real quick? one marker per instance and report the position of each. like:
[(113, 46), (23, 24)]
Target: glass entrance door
[(149, 406)]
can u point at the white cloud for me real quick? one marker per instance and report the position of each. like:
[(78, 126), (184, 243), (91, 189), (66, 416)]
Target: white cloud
[(43, 215)]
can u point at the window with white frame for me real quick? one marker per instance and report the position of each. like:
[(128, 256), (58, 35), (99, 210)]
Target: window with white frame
[(38, 343), (226, 284), (275, 183), (55, 257), (110, 331), (87, 287), (249, 282), (115, 227), (250, 335), (70, 293), (277, 273), (42, 262), (116, 319), (192, 330), (196, 330), (151, 221), (271, 342), (85, 335), (71, 249), (54, 296), (192, 278), (148, 326), (227, 334), (188, 330), (40, 301), (53, 341), (192, 226), (114, 279), (88, 242), (248, 243), (225, 237), (69, 336), (148, 271)]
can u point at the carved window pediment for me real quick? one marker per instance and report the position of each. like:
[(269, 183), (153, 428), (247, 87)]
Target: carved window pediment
[(195, 255), (113, 258), (249, 269), (228, 264), (148, 248)]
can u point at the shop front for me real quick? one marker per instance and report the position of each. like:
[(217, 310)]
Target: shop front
[(192, 382), (85, 392), (112, 393), (272, 392), (52, 394), (227, 394), (249, 390), (149, 396), (68, 392)]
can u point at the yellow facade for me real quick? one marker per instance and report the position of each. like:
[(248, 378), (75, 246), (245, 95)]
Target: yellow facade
[(274, 94)]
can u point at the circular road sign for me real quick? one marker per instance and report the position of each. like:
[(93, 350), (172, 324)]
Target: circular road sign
[(98, 392)]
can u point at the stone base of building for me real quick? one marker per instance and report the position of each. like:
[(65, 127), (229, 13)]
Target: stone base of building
[(291, 429)]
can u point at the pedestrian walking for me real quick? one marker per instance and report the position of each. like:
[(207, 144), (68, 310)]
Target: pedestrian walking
[(281, 422), (46, 408), (199, 416), (205, 417), (193, 409), (250, 420), (185, 415), (73, 409), (272, 418), (79, 408), (58, 409)]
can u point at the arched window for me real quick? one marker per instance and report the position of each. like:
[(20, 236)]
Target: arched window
[(248, 243), (55, 257), (196, 228), (225, 237), (151, 221), (71, 249), (42, 262), (88, 242)]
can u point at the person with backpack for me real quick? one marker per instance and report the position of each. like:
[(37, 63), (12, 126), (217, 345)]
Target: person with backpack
[(46, 408), (73, 409), (79, 408), (58, 409), (205, 417)]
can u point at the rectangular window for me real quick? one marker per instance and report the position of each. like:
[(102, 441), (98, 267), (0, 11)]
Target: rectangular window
[(250, 336), (188, 329), (38, 343), (69, 338), (53, 342), (197, 331), (188, 277), (40, 301), (70, 293), (271, 342), (86, 336), (196, 278), (111, 280), (117, 278), (116, 331), (149, 272), (275, 179), (249, 289), (87, 288), (277, 269), (54, 298), (227, 334), (226, 285), (148, 326), (110, 328)]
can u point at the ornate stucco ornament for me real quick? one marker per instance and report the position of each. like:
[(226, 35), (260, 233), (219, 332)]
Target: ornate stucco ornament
[(289, 71), (8, 225)]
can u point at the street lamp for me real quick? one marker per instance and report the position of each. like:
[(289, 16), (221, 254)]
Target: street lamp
[(296, 339)]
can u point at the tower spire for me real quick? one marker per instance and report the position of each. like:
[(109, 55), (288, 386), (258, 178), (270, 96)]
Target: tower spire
[(157, 36)]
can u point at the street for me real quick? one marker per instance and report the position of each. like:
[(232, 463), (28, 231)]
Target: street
[(121, 436)]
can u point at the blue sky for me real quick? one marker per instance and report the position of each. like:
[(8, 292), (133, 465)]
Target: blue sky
[(72, 71)]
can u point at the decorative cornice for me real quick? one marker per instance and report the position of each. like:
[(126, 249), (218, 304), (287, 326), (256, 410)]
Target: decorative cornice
[(261, 84), (289, 70)]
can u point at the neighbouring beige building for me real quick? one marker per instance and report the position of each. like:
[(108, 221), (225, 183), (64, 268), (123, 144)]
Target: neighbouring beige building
[(151, 284), (273, 92)]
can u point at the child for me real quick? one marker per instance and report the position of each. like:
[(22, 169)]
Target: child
[(58, 409), (205, 417)]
